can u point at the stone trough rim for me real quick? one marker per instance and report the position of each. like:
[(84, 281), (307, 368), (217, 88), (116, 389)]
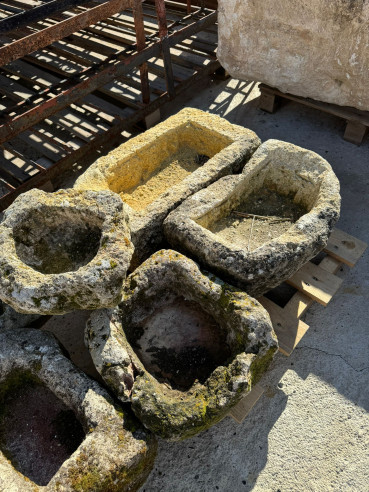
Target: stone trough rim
[(97, 206), (35, 356)]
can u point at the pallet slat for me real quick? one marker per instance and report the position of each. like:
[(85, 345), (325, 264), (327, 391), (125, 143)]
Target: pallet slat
[(345, 248), (318, 284), (240, 411)]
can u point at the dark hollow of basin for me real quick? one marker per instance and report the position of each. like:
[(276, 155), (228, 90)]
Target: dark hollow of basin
[(180, 343), (58, 241), (38, 432)]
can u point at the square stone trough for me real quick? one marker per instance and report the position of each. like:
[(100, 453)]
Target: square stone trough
[(182, 347), (59, 429), (256, 229), (155, 171)]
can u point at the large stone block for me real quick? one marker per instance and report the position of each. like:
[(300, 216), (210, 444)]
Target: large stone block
[(316, 49)]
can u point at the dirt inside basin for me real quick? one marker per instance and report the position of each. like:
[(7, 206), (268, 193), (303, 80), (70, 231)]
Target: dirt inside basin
[(263, 216), (181, 343), (38, 432), (170, 171)]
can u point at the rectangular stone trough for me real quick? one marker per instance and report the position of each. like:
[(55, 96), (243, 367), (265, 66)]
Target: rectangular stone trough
[(258, 228), (154, 172)]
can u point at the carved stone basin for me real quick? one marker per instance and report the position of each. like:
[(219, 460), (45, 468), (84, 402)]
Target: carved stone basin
[(258, 228), (59, 429), (63, 251), (154, 172), (183, 347)]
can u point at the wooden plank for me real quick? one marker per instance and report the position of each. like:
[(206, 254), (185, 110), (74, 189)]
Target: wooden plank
[(355, 132), (345, 248), (345, 112), (297, 305), (289, 329), (316, 283), (240, 411)]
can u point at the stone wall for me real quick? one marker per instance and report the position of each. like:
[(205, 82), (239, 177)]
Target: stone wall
[(316, 48)]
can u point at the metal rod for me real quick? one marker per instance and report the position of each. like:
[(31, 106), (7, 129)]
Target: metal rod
[(92, 79), (141, 43), (188, 6), (40, 39), (163, 34), (36, 13)]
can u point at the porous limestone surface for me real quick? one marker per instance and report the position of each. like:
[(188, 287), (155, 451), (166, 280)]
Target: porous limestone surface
[(64, 251), (315, 49), (10, 319), (127, 343), (222, 146), (116, 454), (289, 170)]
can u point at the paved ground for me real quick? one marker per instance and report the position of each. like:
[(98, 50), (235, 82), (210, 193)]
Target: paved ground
[(310, 431)]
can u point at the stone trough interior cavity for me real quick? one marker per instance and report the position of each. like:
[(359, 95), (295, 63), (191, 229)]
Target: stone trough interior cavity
[(279, 193), (58, 241), (38, 432), (260, 217), (179, 343), (147, 173)]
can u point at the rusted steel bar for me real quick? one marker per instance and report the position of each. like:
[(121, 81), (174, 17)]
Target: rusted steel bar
[(92, 79), (163, 34), (42, 38), (101, 139), (141, 43), (36, 13), (188, 6)]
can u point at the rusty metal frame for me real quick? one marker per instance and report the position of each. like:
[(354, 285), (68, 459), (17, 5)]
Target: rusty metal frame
[(40, 39), (26, 114)]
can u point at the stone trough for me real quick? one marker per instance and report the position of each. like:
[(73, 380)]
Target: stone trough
[(183, 347), (154, 172), (64, 251), (258, 228), (59, 430)]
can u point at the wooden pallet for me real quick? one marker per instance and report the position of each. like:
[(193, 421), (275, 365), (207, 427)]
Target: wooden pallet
[(357, 121), (314, 283)]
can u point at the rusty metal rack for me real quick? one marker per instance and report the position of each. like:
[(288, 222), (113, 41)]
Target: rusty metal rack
[(74, 74)]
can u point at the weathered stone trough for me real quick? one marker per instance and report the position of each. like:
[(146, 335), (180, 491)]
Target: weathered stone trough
[(64, 251), (59, 430), (258, 228), (316, 49), (154, 172), (182, 347)]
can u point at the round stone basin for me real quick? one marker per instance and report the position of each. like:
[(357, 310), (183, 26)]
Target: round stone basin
[(51, 241), (258, 228), (64, 251), (182, 347), (59, 429), (180, 343)]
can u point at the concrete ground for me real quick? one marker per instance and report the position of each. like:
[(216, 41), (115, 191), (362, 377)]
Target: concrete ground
[(310, 430)]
